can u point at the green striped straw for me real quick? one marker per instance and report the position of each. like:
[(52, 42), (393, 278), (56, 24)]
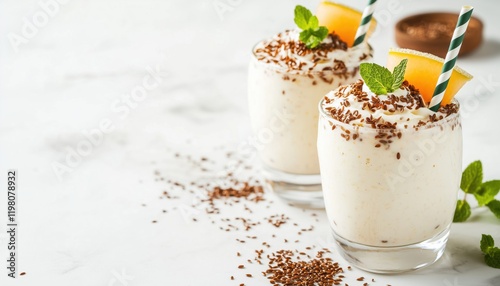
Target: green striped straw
[(365, 23), (451, 57)]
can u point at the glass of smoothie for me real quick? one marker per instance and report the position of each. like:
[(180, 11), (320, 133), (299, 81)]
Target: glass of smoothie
[(391, 167), (286, 79)]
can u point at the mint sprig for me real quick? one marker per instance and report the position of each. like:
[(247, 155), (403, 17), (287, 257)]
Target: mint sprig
[(487, 192), (472, 177), (312, 33), (491, 253), (462, 211), (494, 207), (380, 80), (484, 192)]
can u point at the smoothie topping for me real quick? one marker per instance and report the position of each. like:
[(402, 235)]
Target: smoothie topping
[(355, 104), (389, 114), (287, 51), (382, 100), (311, 48)]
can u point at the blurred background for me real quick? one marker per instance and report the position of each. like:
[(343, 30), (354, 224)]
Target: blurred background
[(157, 76), (65, 63)]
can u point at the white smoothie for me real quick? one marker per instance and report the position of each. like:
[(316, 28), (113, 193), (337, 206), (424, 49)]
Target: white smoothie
[(286, 81), (390, 167)]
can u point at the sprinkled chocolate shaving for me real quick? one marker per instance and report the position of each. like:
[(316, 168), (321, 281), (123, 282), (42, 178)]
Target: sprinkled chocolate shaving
[(273, 49), (390, 104)]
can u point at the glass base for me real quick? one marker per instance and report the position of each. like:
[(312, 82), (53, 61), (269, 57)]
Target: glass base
[(395, 259), (299, 190)]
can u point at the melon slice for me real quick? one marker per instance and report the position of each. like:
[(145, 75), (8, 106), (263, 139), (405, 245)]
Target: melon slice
[(342, 20), (423, 70)]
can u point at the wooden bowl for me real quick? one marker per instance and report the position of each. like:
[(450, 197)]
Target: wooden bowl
[(432, 32)]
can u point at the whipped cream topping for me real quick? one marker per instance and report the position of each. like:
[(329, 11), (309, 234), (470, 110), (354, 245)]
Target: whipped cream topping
[(285, 50), (355, 104)]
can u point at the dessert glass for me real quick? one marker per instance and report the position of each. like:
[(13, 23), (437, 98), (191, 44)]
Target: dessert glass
[(390, 206), (284, 118)]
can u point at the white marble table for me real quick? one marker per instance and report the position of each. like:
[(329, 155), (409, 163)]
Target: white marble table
[(90, 222)]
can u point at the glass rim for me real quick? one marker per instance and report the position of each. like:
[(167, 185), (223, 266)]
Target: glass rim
[(323, 113), (301, 72)]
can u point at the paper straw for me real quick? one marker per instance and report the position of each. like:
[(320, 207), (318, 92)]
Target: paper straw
[(365, 23), (451, 57)]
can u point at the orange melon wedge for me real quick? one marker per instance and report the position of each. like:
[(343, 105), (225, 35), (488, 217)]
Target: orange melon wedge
[(423, 70), (342, 20)]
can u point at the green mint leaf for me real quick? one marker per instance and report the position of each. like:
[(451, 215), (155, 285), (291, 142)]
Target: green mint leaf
[(493, 259), (491, 253), (472, 177), (302, 17), (378, 78), (462, 211), (312, 38), (313, 23), (487, 192), (320, 33), (494, 207), (487, 242), (399, 75), (306, 37)]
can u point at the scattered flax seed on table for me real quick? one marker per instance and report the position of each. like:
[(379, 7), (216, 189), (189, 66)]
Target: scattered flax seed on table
[(306, 267), (277, 220), (283, 269)]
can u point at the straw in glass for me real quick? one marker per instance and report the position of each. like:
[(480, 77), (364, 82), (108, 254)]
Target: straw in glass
[(365, 23), (451, 57)]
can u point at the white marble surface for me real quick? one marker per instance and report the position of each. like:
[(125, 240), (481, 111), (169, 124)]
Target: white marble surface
[(88, 226)]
